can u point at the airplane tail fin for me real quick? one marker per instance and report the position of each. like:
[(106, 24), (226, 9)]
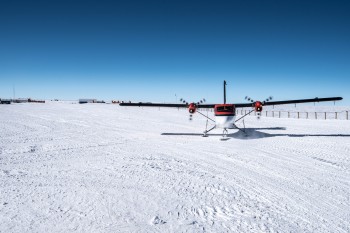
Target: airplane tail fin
[(224, 92)]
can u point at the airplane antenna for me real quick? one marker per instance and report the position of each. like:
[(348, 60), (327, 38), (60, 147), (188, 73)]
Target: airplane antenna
[(224, 92)]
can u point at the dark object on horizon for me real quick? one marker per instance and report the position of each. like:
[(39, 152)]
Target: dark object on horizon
[(26, 100), (20, 100), (86, 101), (5, 101), (120, 101), (35, 101)]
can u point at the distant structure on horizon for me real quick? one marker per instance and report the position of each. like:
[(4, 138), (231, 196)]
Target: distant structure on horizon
[(118, 101), (20, 100), (87, 101), (5, 101)]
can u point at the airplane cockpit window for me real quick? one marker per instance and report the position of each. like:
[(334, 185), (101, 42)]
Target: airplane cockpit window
[(225, 109)]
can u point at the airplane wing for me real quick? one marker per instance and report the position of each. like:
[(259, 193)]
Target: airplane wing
[(242, 105), (140, 104), (239, 105)]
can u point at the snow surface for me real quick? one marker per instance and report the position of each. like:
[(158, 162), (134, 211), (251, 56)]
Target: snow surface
[(105, 168)]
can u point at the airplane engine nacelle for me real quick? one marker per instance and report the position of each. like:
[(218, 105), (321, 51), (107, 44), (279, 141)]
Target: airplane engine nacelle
[(192, 108), (258, 106)]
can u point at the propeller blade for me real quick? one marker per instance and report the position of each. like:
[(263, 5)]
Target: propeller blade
[(201, 101), (268, 99)]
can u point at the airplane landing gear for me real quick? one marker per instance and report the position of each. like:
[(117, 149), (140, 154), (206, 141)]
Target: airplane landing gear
[(206, 131), (224, 134), (206, 125)]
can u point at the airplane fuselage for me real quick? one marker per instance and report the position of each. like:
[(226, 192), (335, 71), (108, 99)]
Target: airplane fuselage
[(225, 122), (225, 116)]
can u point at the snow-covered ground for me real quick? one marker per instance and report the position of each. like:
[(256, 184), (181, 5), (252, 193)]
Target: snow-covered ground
[(104, 168)]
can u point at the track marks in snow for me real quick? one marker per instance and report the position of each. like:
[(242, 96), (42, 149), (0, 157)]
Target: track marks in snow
[(101, 168), (326, 161)]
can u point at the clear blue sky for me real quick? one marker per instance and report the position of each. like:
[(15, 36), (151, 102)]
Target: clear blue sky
[(150, 50)]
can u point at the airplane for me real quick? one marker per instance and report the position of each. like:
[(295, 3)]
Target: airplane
[(225, 114)]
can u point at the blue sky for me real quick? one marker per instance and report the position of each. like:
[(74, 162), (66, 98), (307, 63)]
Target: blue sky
[(152, 50)]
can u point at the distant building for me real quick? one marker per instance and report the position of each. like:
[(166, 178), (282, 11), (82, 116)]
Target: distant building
[(86, 101), (35, 101), (20, 100), (5, 101)]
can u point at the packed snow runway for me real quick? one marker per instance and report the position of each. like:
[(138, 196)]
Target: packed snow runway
[(104, 168)]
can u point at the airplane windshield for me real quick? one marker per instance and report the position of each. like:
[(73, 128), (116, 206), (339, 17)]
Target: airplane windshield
[(225, 109)]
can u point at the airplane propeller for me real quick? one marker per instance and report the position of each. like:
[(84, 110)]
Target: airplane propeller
[(268, 99), (192, 107), (264, 102), (258, 105), (201, 101), (249, 99), (183, 101)]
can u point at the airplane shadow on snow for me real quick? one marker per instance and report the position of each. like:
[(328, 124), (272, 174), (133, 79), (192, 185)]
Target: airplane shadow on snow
[(254, 133)]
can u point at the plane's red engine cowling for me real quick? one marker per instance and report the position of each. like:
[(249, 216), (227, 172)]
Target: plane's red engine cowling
[(192, 108), (258, 106)]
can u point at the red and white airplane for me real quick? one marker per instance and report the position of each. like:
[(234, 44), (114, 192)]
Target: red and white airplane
[(225, 114)]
